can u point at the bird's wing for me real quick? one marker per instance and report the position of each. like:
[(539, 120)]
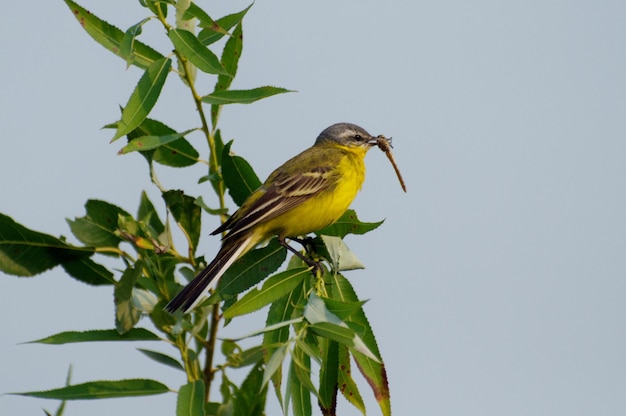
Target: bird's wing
[(278, 196)]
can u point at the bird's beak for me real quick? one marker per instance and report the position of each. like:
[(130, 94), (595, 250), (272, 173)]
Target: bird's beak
[(374, 140)]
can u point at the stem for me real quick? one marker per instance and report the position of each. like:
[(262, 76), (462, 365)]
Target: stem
[(220, 191), (210, 350)]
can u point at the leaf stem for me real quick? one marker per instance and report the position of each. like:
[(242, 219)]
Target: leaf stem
[(220, 191)]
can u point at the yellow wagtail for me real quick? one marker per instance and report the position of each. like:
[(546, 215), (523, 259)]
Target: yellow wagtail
[(307, 193)]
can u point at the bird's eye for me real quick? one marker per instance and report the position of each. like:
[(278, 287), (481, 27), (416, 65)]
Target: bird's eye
[(357, 137)]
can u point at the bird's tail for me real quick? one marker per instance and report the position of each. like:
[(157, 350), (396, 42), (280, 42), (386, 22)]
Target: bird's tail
[(198, 288)]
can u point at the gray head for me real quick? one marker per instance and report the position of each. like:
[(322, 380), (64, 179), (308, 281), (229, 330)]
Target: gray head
[(346, 134)]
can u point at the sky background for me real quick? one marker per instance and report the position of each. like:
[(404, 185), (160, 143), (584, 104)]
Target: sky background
[(496, 284)]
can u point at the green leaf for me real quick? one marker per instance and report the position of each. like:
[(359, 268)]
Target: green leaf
[(349, 388), (239, 176), (24, 252), (373, 370), (191, 48), (280, 311), (190, 401), (249, 399), (301, 359), (112, 38), (128, 40), (143, 97), (186, 213), (250, 269), (162, 358), (177, 154), (98, 228), (328, 376), (335, 332), (274, 288), (298, 393), (230, 58), (69, 337), (148, 214), (204, 20), (105, 389), (297, 320), (274, 364), (349, 223), (239, 359), (230, 61), (243, 96), (61, 407), (144, 143), (213, 211), (158, 7), (215, 164), (212, 33), (277, 337), (88, 271), (126, 316), (343, 310), (329, 325)]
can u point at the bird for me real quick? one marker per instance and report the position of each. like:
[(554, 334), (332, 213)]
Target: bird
[(307, 193)]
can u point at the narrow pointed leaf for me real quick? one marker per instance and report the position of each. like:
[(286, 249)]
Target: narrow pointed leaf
[(112, 38), (105, 389), (212, 33), (24, 252), (98, 227), (251, 268), (190, 401), (275, 362), (329, 375), (143, 97), (144, 143), (330, 326), (162, 358), (373, 370), (301, 360), (191, 48), (186, 213), (126, 316), (230, 61), (148, 214), (179, 153), (88, 271), (213, 211), (299, 395), (204, 20), (271, 328), (348, 387), (238, 175), (349, 223), (273, 288), (249, 399), (128, 40), (68, 337), (277, 337), (243, 96), (230, 58), (239, 359)]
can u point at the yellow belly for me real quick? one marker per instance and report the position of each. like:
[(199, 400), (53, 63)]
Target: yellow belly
[(324, 208)]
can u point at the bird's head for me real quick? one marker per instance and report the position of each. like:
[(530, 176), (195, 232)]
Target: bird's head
[(347, 134)]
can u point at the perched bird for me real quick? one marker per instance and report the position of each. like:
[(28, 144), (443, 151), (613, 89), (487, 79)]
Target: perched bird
[(307, 193)]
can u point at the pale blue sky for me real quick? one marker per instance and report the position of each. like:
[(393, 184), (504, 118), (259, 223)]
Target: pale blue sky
[(496, 284)]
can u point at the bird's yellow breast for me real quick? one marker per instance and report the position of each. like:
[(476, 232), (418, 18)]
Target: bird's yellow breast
[(326, 207)]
